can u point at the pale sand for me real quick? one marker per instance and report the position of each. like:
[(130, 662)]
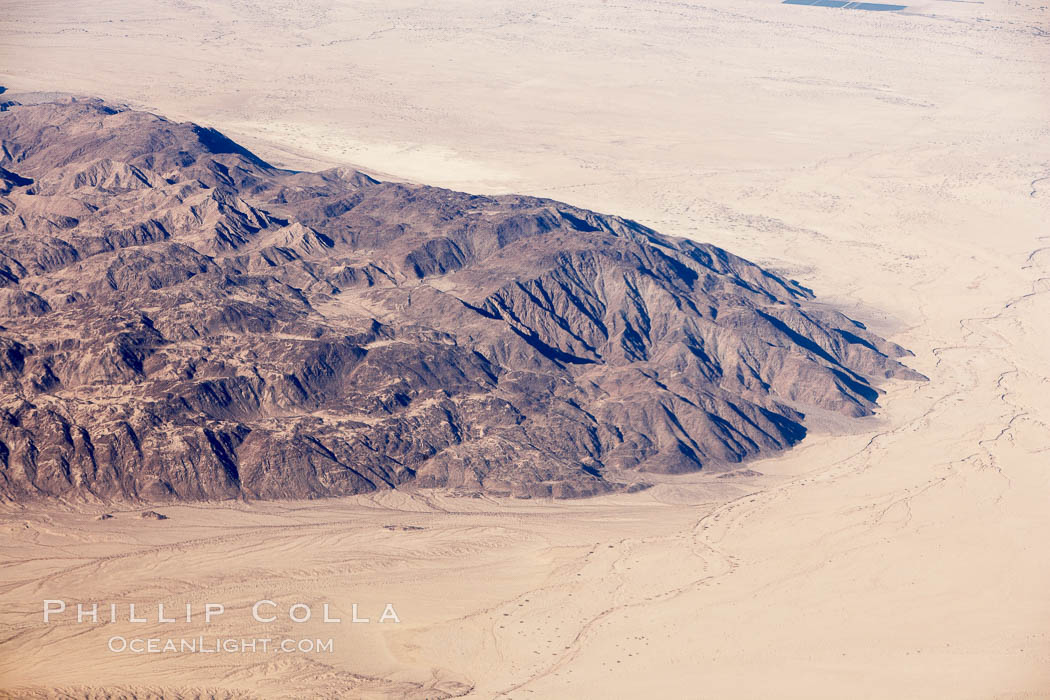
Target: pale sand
[(892, 162)]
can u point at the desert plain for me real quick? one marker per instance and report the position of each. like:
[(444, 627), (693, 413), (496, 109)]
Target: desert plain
[(897, 163)]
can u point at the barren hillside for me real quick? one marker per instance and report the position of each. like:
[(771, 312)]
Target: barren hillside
[(180, 319)]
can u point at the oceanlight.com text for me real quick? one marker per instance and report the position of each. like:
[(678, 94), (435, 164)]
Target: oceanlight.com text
[(218, 645)]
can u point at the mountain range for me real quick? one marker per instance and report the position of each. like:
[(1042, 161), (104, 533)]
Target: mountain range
[(181, 320)]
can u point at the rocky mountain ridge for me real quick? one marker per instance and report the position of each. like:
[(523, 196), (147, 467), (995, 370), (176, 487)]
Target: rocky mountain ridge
[(181, 320)]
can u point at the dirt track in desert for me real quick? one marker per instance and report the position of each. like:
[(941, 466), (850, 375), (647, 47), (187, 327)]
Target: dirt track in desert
[(896, 163)]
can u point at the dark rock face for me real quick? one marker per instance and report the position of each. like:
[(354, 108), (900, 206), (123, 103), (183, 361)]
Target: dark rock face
[(178, 319)]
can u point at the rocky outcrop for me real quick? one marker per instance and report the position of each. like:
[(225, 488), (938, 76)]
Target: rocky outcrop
[(180, 320)]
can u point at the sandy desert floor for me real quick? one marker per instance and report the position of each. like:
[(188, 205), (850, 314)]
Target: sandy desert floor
[(896, 163)]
